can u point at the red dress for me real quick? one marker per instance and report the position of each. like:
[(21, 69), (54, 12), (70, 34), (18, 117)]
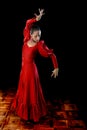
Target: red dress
[(29, 102)]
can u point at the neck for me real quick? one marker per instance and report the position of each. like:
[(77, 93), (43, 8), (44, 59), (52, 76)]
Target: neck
[(32, 41)]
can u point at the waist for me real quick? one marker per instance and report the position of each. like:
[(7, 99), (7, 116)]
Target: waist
[(27, 62)]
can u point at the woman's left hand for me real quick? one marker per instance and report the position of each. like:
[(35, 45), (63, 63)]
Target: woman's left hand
[(55, 72)]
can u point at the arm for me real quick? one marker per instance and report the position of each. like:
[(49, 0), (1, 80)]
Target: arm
[(29, 23), (26, 31), (46, 52)]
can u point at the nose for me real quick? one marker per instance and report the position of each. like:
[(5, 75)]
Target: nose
[(38, 38)]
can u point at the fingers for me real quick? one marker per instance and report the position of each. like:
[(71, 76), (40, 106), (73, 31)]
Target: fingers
[(35, 14), (41, 11), (57, 74), (54, 74)]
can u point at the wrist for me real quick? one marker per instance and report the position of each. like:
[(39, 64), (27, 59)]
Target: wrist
[(38, 17), (57, 69)]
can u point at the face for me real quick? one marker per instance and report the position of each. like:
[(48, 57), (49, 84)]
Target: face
[(35, 36)]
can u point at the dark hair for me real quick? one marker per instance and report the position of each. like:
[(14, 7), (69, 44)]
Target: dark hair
[(34, 28)]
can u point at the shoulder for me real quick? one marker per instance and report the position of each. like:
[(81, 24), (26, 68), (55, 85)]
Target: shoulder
[(24, 45), (41, 43)]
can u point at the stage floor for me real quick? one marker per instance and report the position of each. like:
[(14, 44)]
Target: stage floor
[(62, 115)]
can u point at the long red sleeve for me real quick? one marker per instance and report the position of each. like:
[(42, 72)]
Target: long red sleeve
[(26, 31), (46, 52)]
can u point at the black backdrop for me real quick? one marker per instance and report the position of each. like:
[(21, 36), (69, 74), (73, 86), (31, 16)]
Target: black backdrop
[(63, 30)]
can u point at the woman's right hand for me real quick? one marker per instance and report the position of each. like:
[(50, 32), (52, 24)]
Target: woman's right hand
[(41, 13)]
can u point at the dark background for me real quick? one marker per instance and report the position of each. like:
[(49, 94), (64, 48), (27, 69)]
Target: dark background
[(63, 29)]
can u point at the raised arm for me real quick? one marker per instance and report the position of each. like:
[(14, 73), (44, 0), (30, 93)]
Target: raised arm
[(46, 52), (29, 23)]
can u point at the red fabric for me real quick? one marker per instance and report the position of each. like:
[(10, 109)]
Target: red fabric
[(29, 101), (26, 31), (46, 52)]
